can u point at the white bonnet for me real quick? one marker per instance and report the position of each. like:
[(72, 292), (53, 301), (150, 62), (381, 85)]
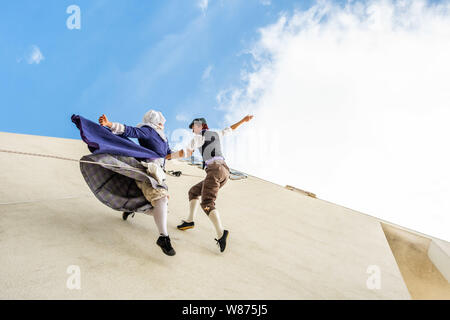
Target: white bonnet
[(152, 117)]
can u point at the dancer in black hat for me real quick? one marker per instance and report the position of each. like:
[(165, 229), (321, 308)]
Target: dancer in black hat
[(217, 174)]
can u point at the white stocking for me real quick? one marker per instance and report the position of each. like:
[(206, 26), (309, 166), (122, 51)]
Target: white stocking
[(159, 213), (215, 219), (193, 206)]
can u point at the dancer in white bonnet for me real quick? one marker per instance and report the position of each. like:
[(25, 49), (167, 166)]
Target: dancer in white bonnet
[(150, 134)]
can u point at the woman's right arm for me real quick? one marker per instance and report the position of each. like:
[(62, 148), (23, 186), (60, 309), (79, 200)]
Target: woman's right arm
[(116, 128), (120, 129), (185, 152), (175, 155)]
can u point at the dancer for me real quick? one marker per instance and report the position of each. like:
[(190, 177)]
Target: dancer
[(150, 134), (217, 174)]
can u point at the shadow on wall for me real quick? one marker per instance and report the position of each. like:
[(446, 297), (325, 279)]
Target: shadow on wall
[(423, 279), (234, 174)]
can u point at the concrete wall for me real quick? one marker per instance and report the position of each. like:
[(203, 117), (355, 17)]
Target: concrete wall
[(282, 244)]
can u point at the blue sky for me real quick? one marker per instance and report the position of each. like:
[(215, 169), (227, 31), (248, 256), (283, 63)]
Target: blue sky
[(127, 57)]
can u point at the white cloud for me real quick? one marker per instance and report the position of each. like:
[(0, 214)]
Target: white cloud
[(180, 138), (265, 2), (351, 103), (34, 55), (207, 73), (203, 5), (181, 117)]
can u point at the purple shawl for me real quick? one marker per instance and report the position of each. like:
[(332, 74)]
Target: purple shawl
[(100, 139)]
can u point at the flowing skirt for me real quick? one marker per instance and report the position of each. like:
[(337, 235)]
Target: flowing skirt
[(116, 186)]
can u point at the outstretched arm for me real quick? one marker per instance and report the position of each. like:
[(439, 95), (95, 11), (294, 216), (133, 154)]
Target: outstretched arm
[(196, 142), (116, 128), (183, 153), (247, 118), (121, 129)]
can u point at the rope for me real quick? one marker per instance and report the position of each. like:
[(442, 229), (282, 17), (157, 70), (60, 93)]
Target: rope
[(64, 158), (43, 200), (171, 172), (37, 154), (85, 161)]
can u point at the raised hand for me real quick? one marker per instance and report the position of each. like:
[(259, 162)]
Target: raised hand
[(247, 118), (103, 120)]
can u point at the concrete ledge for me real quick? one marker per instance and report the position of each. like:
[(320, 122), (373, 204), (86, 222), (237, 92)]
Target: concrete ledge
[(306, 193)]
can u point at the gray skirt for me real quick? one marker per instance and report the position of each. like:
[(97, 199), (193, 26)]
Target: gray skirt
[(116, 186)]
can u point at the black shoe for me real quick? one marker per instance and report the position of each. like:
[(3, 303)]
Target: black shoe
[(186, 225), (222, 242), (126, 214), (174, 173), (164, 243)]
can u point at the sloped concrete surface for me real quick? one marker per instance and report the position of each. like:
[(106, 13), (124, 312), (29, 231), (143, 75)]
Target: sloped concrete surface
[(422, 276), (282, 244), (439, 254)]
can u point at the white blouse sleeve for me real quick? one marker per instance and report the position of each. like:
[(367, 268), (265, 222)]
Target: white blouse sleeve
[(117, 128), (226, 132), (195, 143)]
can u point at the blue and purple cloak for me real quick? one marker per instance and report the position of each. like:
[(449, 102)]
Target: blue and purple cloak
[(100, 139), (113, 167)]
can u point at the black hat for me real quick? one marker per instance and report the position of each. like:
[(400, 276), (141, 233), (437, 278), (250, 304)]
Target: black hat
[(202, 120)]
